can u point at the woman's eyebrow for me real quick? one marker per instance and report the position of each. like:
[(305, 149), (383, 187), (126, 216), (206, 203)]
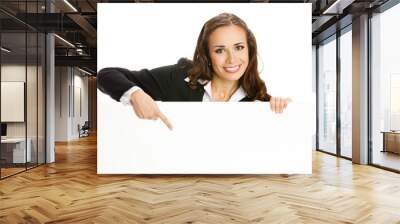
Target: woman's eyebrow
[(224, 45), (219, 46)]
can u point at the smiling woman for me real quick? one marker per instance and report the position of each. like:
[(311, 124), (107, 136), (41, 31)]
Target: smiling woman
[(226, 54), (229, 59), (224, 68)]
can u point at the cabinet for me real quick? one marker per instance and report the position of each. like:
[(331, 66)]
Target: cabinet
[(391, 141)]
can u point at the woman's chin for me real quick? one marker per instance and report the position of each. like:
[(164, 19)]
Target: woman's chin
[(230, 76)]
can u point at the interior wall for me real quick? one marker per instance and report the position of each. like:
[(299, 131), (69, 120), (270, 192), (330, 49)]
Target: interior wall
[(16, 73), (71, 102), (61, 103), (92, 89), (80, 104)]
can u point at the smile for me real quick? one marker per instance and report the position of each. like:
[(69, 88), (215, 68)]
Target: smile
[(232, 69)]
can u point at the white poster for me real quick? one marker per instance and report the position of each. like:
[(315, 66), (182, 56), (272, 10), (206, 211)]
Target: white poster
[(208, 137)]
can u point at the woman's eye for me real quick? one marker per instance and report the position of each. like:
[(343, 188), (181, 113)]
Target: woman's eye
[(239, 47), (219, 51)]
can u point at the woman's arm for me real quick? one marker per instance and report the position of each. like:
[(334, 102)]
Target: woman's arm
[(116, 81), (154, 84), (157, 82)]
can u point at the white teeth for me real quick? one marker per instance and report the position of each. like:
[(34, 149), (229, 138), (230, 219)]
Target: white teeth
[(232, 69)]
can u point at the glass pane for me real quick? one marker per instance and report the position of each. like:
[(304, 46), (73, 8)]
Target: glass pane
[(41, 98), (23, 92), (31, 100), (386, 89), (13, 87), (346, 93), (327, 96)]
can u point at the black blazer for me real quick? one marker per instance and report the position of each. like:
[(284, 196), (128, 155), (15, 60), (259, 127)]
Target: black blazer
[(162, 84)]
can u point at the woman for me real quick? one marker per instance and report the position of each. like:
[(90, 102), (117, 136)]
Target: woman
[(224, 68)]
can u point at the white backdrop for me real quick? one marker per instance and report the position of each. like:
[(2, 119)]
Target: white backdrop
[(226, 137)]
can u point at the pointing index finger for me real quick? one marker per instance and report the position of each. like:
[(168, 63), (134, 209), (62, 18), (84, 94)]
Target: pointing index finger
[(165, 120)]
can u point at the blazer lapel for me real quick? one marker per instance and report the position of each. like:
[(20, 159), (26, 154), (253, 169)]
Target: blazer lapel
[(197, 95)]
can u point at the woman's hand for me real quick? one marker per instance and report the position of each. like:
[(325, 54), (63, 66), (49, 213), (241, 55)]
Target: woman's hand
[(146, 108), (279, 104)]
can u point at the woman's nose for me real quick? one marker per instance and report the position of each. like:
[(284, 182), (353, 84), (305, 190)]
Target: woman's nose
[(231, 57)]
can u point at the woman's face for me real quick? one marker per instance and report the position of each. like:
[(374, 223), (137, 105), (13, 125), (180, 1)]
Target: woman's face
[(228, 52)]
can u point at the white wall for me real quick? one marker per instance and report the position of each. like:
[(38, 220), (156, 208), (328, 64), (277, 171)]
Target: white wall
[(79, 117), (16, 73), (12, 73), (70, 83), (33, 126), (61, 103)]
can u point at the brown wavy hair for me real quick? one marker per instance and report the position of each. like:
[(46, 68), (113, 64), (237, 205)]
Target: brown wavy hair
[(201, 66)]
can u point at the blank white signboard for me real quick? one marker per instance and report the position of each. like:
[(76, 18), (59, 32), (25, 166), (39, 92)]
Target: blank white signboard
[(12, 101), (225, 138), (208, 137)]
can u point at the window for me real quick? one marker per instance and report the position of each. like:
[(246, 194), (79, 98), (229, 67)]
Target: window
[(346, 92), (327, 96), (385, 88)]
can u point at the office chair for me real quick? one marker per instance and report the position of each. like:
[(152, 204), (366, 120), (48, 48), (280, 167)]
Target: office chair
[(84, 130)]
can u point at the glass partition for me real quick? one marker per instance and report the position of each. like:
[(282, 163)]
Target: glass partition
[(41, 91), (346, 93), (385, 89), (327, 95), (22, 77), (13, 105), (31, 100)]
